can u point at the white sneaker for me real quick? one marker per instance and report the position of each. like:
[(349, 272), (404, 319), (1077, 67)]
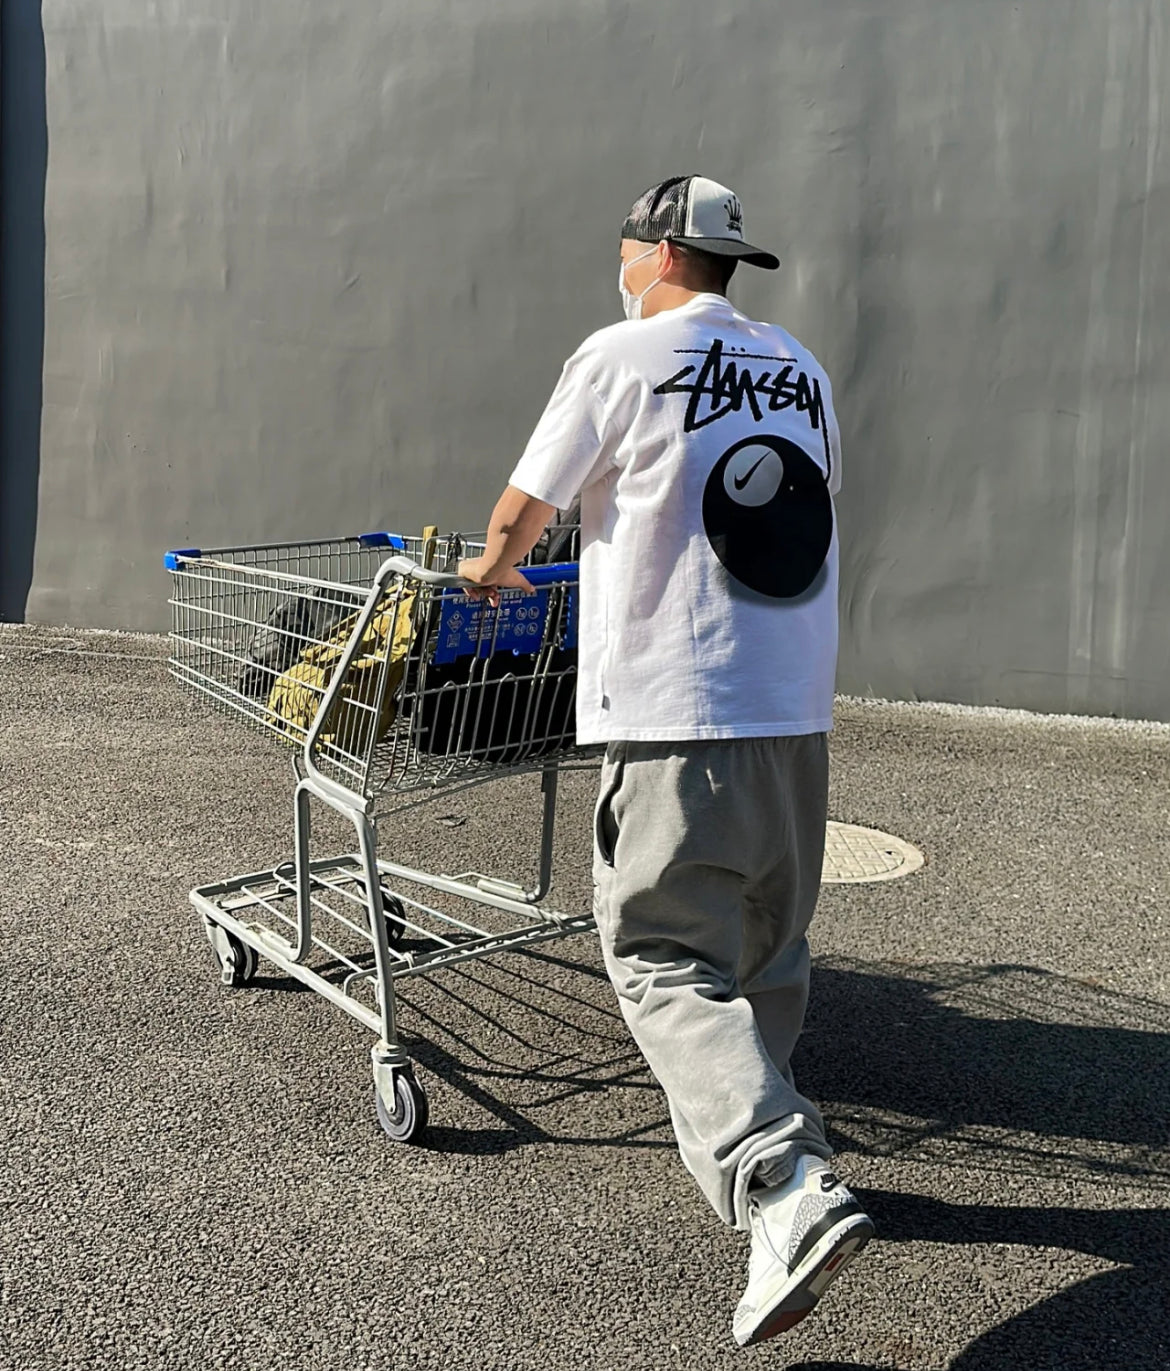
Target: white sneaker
[(804, 1234)]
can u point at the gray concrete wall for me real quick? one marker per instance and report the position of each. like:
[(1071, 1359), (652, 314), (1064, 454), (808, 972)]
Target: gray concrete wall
[(314, 269)]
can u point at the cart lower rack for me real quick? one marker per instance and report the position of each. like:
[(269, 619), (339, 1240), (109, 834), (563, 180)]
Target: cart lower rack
[(367, 660)]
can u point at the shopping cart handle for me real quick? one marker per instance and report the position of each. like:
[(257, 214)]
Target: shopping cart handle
[(403, 566), (534, 575)]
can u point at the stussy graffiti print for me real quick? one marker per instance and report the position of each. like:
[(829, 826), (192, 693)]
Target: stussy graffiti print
[(767, 511)]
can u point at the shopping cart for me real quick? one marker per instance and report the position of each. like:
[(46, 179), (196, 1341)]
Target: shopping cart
[(368, 661)]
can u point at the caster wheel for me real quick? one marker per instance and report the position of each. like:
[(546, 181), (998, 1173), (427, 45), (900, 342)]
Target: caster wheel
[(395, 930), (238, 963), (409, 1119), (393, 909)]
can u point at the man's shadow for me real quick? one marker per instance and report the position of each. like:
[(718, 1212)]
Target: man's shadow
[(1052, 1061), (1011, 1074), (992, 1047), (1114, 1319)]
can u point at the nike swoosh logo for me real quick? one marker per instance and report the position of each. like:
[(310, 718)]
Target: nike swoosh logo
[(741, 481)]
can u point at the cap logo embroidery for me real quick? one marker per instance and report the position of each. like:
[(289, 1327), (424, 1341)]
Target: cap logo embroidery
[(734, 215)]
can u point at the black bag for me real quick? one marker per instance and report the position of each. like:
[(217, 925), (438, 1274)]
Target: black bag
[(508, 704), (506, 717), (289, 629)]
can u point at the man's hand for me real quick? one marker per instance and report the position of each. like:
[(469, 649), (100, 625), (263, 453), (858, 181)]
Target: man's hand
[(488, 581), (516, 523)]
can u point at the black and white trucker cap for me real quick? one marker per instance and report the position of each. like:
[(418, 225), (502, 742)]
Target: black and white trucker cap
[(698, 213)]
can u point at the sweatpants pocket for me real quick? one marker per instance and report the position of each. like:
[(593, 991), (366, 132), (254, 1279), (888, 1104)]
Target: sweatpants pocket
[(605, 828)]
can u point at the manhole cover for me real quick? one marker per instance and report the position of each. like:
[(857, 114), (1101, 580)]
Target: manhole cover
[(854, 854)]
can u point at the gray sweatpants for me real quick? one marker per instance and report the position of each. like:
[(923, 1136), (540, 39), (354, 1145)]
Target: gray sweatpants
[(707, 864)]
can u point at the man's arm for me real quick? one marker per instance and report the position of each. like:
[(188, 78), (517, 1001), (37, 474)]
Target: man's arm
[(572, 445), (517, 522)]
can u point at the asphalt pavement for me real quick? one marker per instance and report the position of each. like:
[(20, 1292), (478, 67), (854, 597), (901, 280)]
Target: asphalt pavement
[(194, 1177)]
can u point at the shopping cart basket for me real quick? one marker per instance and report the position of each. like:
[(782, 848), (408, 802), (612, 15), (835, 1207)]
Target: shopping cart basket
[(368, 661)]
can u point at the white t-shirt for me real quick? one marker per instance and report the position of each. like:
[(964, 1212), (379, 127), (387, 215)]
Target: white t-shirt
[(706, 452)]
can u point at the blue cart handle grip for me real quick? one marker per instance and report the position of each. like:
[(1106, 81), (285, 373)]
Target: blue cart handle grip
[(552, 573), (172, 559)]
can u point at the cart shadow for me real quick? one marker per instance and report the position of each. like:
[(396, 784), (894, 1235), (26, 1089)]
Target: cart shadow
[(528, 1046), (904, 1059), (285, 984), (472, 1142)]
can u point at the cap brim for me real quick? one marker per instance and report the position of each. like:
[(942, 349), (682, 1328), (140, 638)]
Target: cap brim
[(732, 247)]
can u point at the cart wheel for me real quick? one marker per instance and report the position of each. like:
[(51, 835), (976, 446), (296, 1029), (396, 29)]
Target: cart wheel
[(409, 1119), (238, 963), (393, 908)]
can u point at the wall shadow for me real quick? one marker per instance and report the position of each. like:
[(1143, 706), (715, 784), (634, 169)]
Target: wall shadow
[(24, 152)]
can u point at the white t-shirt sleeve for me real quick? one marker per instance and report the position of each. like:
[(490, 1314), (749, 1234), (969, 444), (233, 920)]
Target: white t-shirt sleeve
[(574, 442)]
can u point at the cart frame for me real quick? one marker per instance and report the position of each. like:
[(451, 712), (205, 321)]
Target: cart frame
[(279, 913)]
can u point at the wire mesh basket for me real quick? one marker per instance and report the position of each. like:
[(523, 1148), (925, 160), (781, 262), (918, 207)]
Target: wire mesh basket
[(368, 653)]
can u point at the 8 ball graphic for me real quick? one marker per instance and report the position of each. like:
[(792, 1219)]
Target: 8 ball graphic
[(768, 515)]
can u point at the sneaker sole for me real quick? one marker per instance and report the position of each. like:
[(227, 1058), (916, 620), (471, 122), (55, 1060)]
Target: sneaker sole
[(797, 1294)]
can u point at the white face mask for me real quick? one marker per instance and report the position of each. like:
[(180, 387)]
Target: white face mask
[(631, 303)]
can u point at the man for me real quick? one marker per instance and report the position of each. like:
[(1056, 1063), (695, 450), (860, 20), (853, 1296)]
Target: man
[(706, 452)]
